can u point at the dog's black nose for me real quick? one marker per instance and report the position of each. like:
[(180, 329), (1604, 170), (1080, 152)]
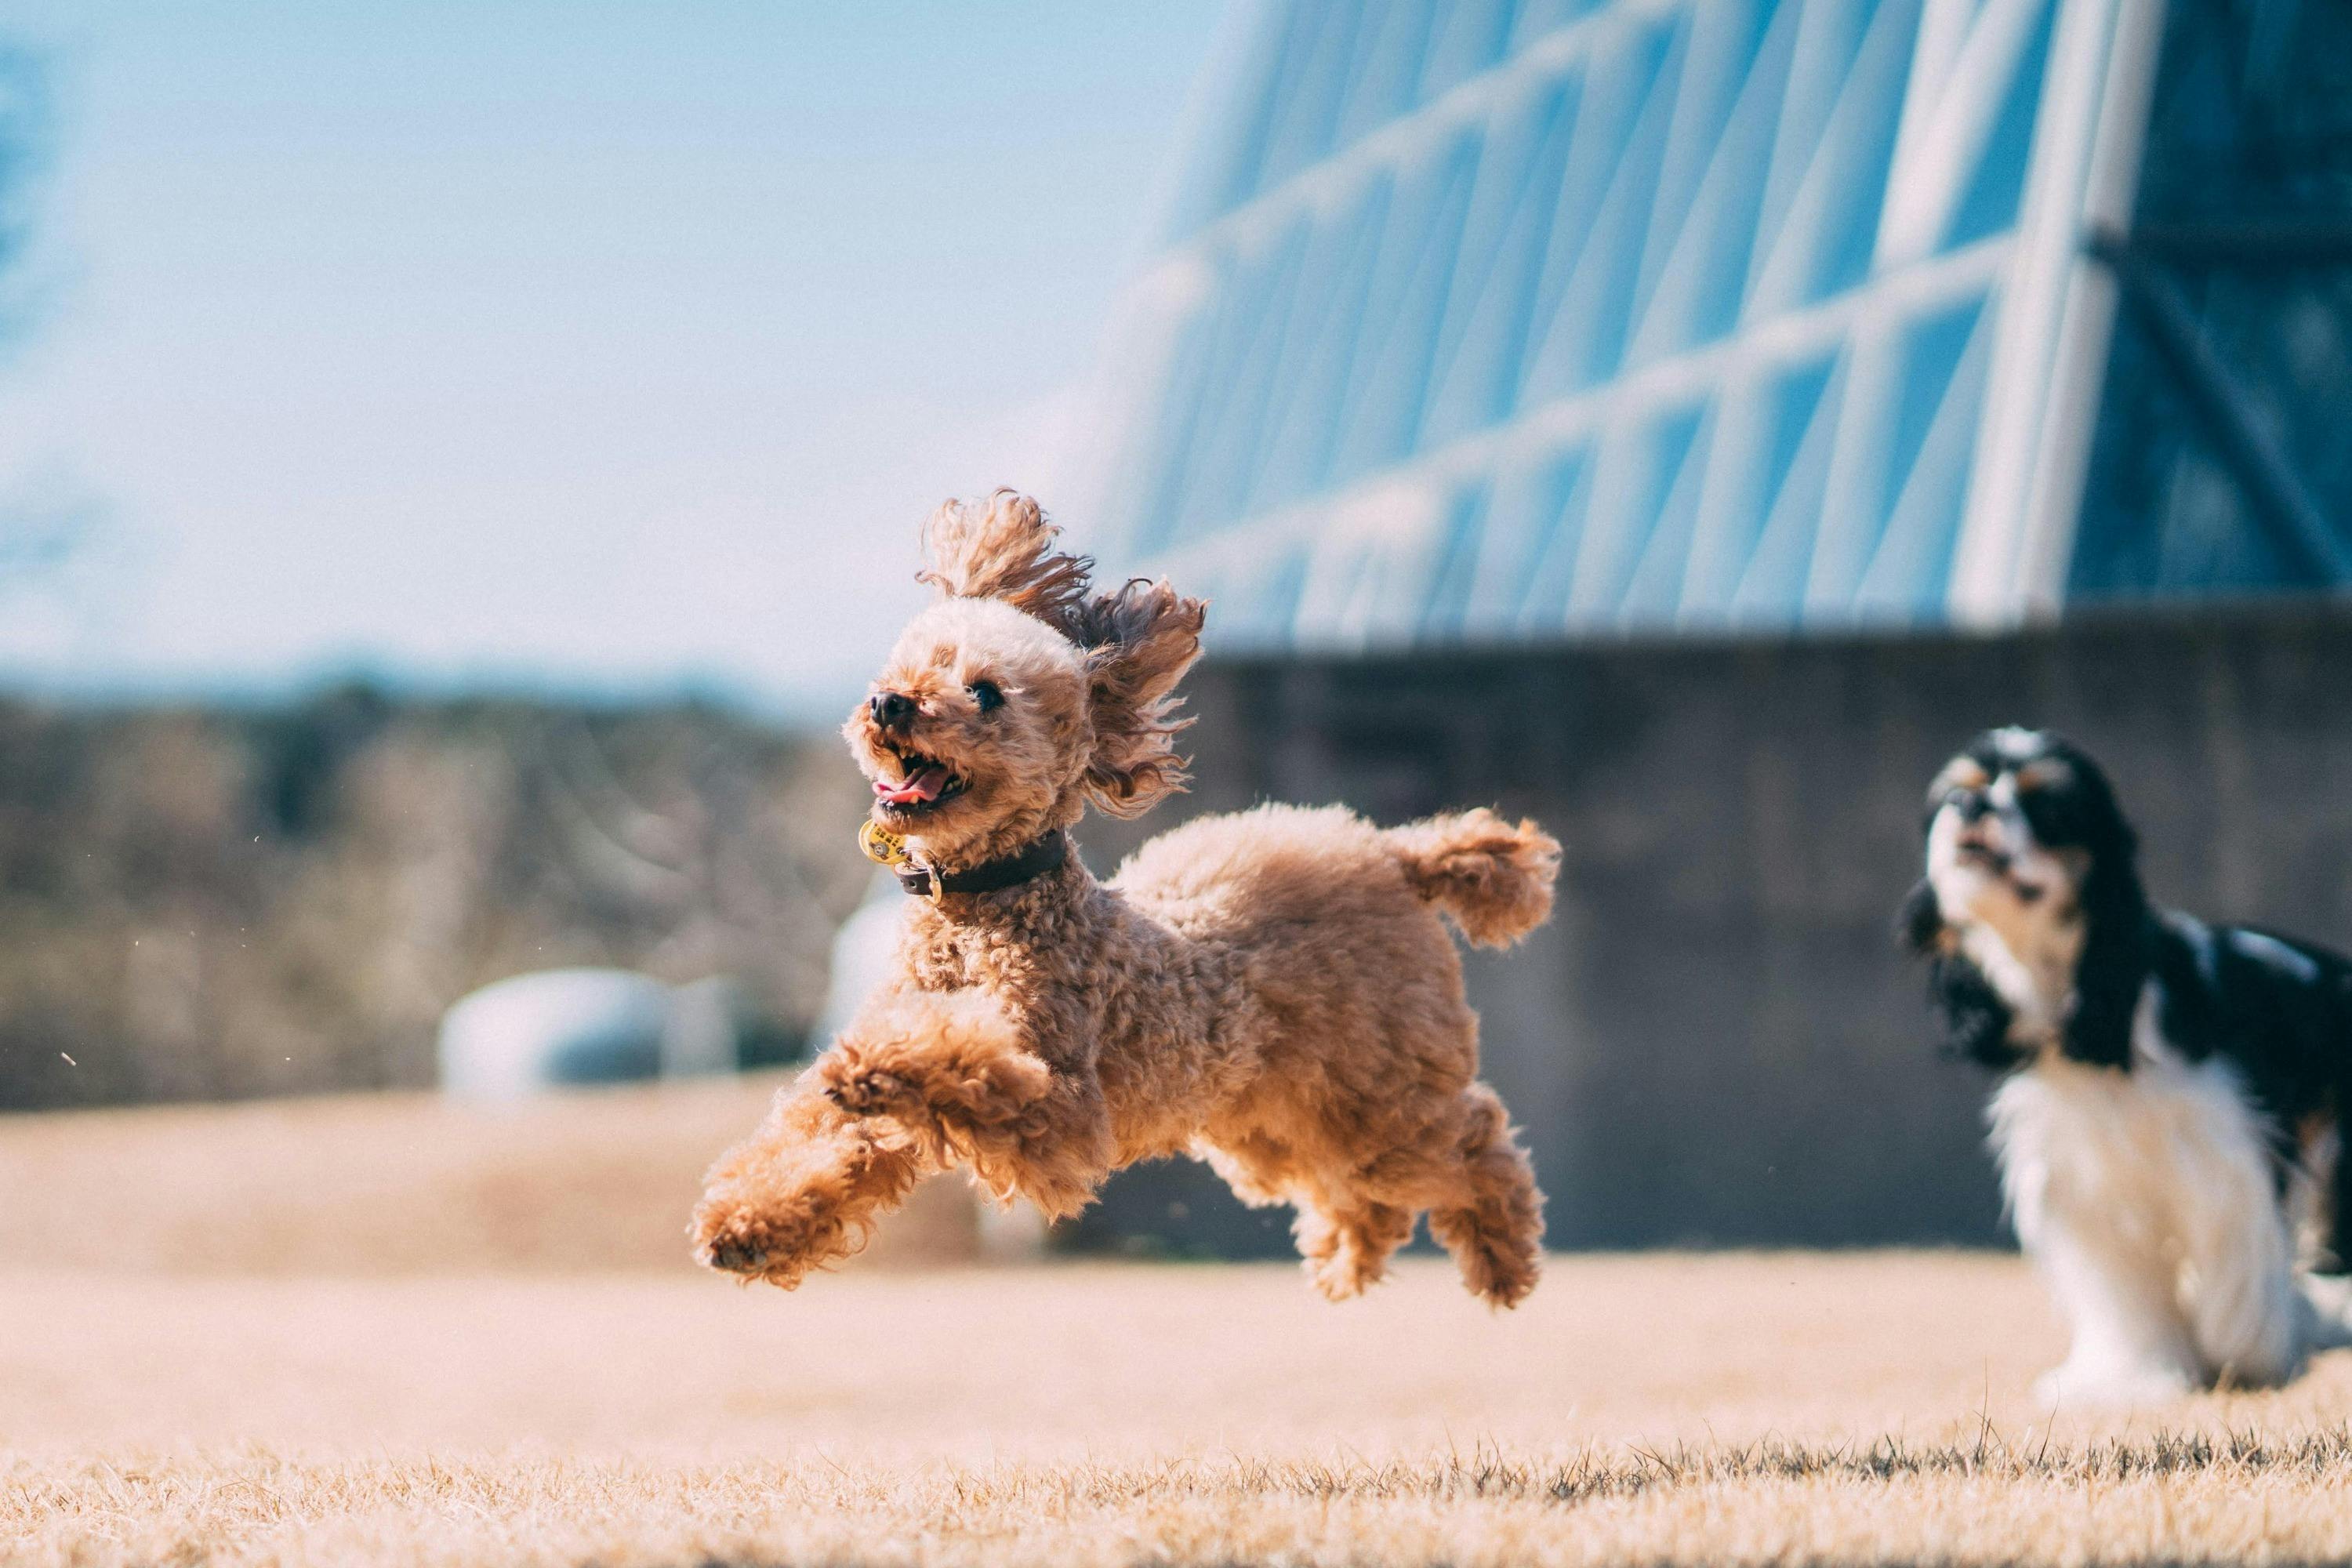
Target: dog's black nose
[(890, 709), (1971, 805)]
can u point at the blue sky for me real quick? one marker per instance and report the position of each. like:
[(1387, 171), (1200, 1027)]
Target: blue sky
[(593, 346)]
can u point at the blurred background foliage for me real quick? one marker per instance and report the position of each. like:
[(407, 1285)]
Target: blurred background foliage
[(207, 903), (26, 128)]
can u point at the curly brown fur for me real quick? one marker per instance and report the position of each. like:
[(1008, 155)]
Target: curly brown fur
[(1273, 992), (805, 1189), (1493, 878), (1141, 641), (1003, 550)]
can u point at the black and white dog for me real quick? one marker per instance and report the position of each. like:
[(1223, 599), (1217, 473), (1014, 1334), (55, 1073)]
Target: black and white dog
[(2166, 1120)]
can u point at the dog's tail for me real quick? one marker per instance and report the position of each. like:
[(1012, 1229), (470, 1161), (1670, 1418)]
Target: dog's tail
[(1492, 879)]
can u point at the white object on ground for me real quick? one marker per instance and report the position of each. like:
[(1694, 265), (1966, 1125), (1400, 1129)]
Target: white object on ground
[(521, 1036)]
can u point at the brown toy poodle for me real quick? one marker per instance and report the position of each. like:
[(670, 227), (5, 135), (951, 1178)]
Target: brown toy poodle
[(1271, 990)]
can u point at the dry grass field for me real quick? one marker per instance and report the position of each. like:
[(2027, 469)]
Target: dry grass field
[(397, 1184), (1737, 1408)]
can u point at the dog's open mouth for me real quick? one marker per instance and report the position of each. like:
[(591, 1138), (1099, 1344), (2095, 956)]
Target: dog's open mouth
[(923, 784), (1980, 854), (2003, 866)]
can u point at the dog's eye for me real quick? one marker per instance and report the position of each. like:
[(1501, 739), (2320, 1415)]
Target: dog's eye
[(2047, 774), (987, 694)]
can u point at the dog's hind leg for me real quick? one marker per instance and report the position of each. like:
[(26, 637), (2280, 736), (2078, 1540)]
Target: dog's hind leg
[(2251, 1324), (1467, 1169), (1348, 1245), (806, 1188), (1497, 1235)]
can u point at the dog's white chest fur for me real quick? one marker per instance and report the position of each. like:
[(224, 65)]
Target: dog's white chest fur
[(2166, 1153), (2149, 1198)]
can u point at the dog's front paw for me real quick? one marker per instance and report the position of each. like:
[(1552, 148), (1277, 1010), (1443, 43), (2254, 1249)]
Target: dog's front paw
[(735, 1238), (864, 1091), (733, 1254), (2119, 1386)]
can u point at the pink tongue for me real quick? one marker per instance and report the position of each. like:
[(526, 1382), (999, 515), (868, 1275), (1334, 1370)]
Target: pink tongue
[(925, 786)]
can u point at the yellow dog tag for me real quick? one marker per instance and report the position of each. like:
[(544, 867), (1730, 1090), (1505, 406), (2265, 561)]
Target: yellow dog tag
[(881, 846)]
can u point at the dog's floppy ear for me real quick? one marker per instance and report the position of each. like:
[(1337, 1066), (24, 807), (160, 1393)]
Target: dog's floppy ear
[(1975, 1020), (2118, 928), (1919, 923), (1003, 549), (2117, 942), (1139, 641)]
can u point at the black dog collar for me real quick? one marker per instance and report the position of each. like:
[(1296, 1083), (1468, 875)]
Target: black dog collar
[(989, 875)]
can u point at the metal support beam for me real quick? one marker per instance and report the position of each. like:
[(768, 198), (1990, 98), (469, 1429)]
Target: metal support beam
[(2296, 522), (2292, 243)]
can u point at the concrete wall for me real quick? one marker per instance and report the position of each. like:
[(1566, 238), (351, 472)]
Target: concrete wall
[(1715, 1042)]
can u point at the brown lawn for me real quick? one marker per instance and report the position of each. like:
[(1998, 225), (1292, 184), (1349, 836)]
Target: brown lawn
[(442, 1407)]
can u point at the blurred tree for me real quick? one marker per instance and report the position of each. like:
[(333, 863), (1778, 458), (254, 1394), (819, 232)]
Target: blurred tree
[(38, 532), (220, 904), (25, 123)]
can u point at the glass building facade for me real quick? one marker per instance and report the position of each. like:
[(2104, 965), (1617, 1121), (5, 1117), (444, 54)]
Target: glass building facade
[(1484, 321)]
